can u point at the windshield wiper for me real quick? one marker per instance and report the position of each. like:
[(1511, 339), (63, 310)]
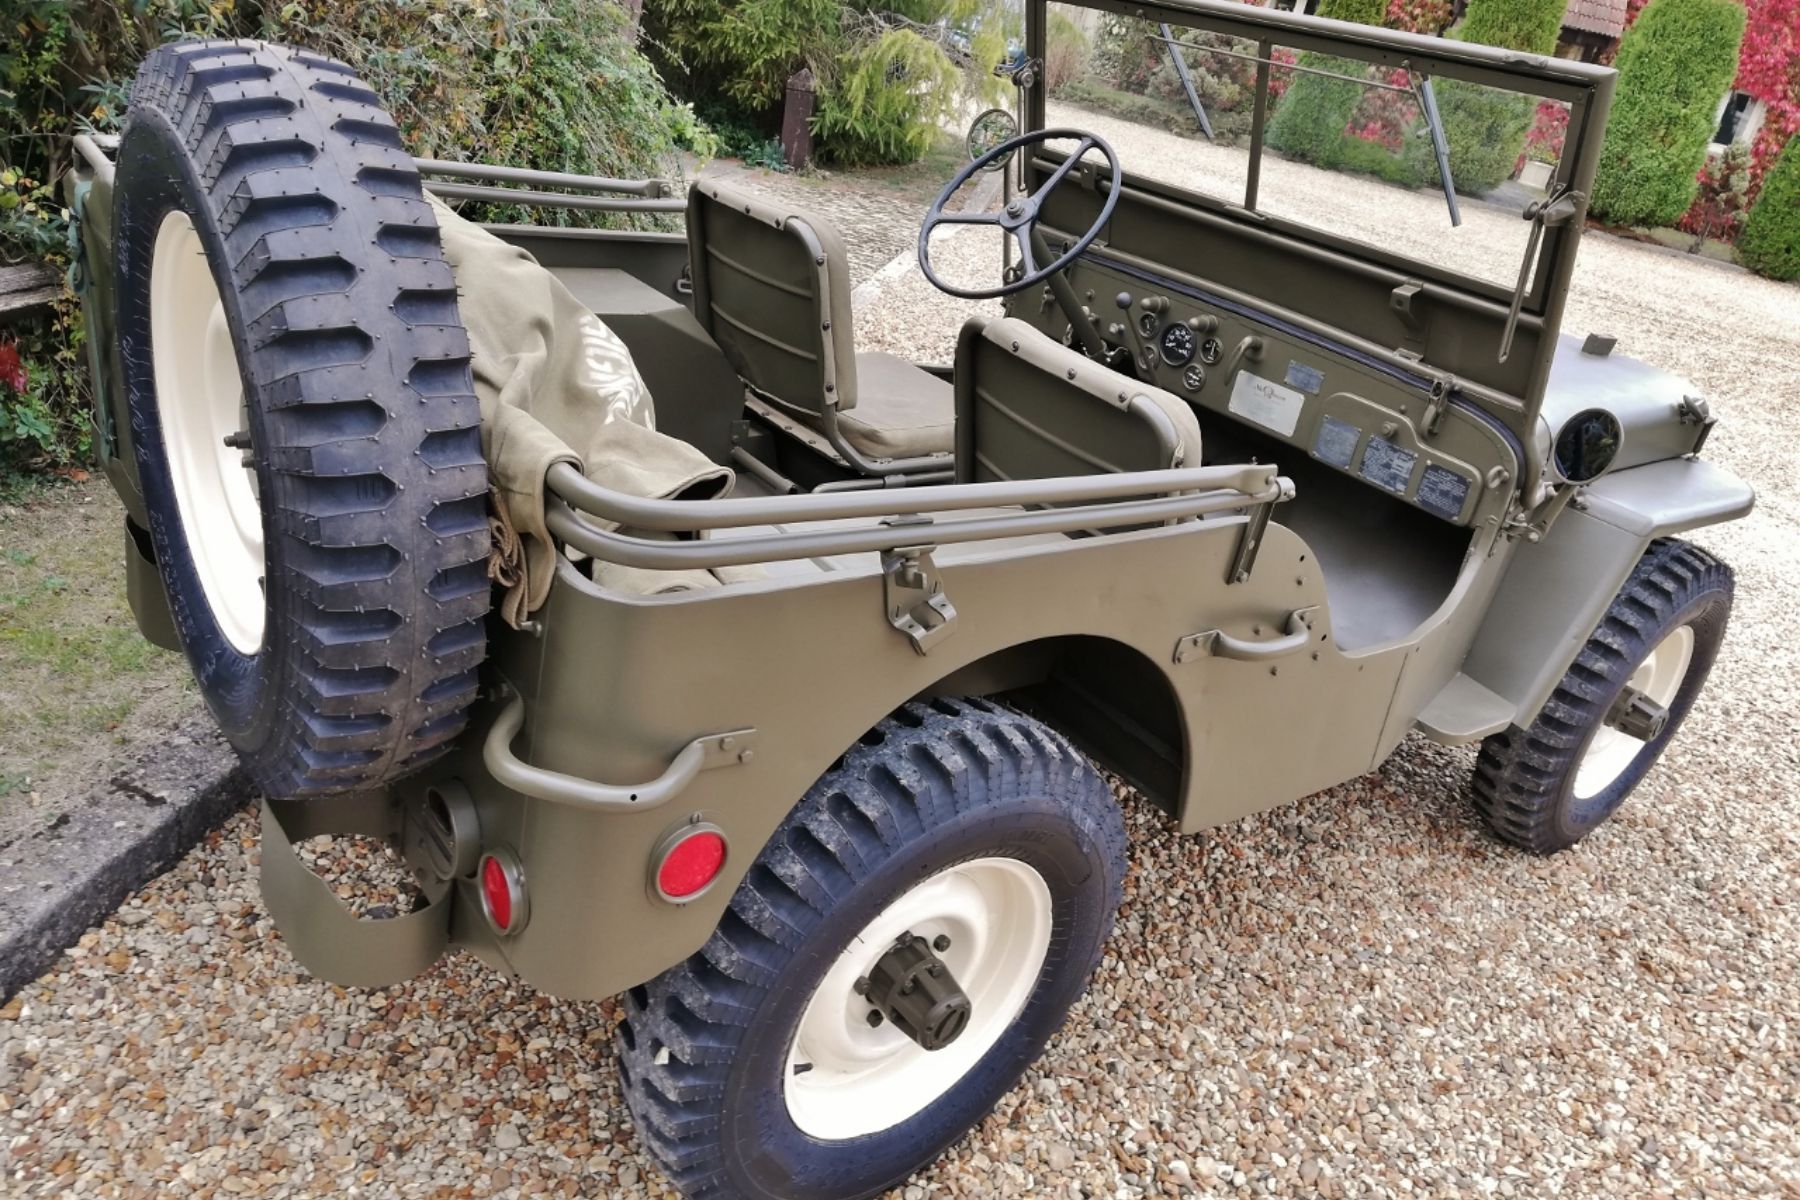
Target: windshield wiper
[(1440, 144)]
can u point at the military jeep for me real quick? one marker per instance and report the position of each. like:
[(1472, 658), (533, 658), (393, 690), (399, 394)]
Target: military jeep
[(1225, 498)]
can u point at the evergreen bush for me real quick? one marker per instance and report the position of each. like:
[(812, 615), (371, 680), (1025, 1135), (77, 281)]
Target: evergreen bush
[(1770, 244), (1309, 122), (1485, 127), (1674, 64)]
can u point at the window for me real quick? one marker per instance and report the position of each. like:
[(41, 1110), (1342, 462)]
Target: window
[(1740, 116)]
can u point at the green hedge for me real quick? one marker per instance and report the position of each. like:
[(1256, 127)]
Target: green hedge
[(1770, 244), (1674, 64), (1530, 25), (1486, 127), (1309, 122)]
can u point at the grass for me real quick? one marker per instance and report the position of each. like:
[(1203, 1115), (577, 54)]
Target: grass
[(78, 682)]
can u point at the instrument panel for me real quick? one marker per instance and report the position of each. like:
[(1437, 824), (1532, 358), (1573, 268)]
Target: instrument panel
[(1353, 412)]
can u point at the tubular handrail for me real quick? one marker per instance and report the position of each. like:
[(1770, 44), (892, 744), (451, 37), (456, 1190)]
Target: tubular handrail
[(578, 200), (1254, 483), (660, 554), (489, 173)]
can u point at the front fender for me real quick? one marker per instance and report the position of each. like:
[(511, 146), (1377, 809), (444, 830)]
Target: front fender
[(1556, 591)]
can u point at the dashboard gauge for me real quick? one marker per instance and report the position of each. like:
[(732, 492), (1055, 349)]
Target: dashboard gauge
[(1211, 351), (1177, 345), (1147, 324), (1194, 378)]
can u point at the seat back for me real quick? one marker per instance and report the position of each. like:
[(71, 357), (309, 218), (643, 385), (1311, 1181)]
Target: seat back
[(772, 288), (1028, 407)]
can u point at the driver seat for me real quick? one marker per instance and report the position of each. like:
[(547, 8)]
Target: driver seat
[(772, 287)]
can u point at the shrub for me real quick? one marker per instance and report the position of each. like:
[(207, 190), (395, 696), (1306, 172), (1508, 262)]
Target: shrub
[(1674, 64), (1310, 122), (869, 65), (1065, 52), (883, 101), (741, 51), (1486, 127), (1529, 25), (550, 84), (1770, 244)]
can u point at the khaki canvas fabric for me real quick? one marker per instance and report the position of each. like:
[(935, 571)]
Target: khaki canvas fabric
[(555, 385)]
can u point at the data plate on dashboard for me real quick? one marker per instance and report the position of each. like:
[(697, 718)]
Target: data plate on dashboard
[(1443, 491), (1266, 403), (1336, 443), (1388, 466)]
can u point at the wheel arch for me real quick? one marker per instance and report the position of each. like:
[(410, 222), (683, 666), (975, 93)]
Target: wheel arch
[(1116, 703)]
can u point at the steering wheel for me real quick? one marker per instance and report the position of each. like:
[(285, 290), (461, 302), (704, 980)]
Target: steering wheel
[(1019, 218)]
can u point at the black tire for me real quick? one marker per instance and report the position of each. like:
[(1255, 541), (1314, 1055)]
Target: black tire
[(930, 787), (361, 410), (1525, 778)]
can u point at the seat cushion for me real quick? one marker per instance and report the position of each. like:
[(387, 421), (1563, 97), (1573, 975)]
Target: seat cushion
[(901, 411)]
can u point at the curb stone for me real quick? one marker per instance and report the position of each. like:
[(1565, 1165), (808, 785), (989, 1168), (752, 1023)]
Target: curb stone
[(63, 878)]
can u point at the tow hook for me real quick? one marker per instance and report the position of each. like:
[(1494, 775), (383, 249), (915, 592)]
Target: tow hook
[(913, 988), (1637, 715)]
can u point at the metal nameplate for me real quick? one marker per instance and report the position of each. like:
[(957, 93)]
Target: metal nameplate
[(1443, 491), (1336, 443), (1388, 466), (1266, 403)]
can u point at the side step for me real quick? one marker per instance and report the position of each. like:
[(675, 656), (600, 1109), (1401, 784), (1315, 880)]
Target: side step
[(1464, 711)]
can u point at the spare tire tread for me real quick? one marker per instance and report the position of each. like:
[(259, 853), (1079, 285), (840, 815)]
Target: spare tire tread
[(381, 561)]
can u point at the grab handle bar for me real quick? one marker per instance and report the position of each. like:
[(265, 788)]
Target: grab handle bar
[(701, 754), (1219, 644)]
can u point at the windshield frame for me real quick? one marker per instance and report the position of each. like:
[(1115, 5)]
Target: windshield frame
[(1585, 87)]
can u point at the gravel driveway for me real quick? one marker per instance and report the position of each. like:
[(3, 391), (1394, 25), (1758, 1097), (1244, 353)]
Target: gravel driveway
[(1362, 994)]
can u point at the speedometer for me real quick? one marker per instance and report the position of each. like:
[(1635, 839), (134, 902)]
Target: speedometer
[(1177, 345)]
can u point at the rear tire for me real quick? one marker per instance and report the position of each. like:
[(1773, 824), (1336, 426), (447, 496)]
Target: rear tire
[(741, 1066), (263, 192), (1546, 787)]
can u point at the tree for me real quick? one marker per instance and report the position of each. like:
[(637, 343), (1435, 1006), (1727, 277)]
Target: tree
[(1771, 242), (1674, 64)]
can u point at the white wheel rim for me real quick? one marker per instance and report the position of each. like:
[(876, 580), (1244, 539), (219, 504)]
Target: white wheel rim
[(1659, 677), (863, 1079), (200, 401)]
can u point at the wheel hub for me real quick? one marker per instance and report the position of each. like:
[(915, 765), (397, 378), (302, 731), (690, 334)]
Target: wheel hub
[(913, 988), (855, 1067)]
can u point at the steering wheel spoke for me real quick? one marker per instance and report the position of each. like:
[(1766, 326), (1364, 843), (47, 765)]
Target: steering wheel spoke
[(1062, 170), (1019, 218), (1027, 260)]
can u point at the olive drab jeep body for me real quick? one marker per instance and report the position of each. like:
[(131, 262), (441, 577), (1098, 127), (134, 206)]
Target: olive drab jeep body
[(1226, 503)]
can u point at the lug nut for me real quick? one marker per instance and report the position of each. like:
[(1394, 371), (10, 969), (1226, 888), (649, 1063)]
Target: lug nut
[(941, 942), (875, 1018)]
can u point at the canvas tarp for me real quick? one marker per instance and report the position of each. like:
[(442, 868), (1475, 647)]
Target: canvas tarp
[(555, 385)]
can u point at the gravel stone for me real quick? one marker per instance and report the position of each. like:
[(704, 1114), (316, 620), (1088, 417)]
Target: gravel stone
[(1361, 994)]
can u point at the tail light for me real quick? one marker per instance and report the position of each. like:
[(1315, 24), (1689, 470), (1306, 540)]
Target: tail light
[(503, 892), (687, 862)]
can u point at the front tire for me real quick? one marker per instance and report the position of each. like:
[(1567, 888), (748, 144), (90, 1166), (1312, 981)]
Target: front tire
[(752, 1071), (1545, 787)]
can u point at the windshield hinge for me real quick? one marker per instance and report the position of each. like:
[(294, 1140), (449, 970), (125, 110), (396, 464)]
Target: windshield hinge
[(1694, 410), (914, 595), (1558, 208)]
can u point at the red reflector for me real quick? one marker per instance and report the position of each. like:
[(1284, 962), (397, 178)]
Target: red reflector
[(691, 864), (496, 893)]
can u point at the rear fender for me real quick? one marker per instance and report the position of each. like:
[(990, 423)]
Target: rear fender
[(1556, 591)]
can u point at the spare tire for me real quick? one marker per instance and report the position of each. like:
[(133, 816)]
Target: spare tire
[(308, 441)]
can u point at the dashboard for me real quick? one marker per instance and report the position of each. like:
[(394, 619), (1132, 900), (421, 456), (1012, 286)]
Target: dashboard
[(1351, 411)]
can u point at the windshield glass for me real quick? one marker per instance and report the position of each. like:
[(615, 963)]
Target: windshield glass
[(1350, 149)]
